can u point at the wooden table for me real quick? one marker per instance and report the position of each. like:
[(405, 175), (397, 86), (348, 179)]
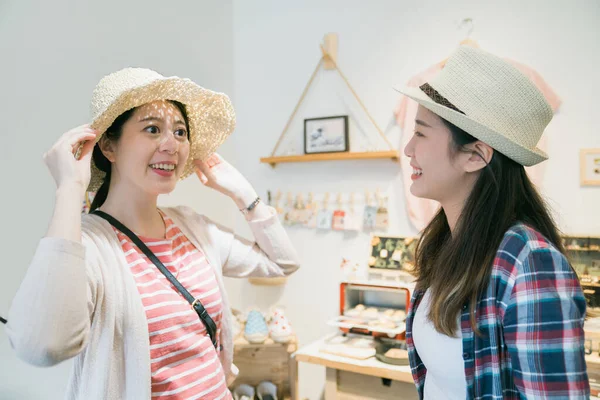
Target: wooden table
[(347, 378)]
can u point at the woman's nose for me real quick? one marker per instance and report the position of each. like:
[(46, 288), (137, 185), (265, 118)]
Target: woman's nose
[(408, 149), (169, 143)]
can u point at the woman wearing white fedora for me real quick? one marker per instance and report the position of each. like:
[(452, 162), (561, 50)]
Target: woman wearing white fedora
[(144, 314), (497, 312)]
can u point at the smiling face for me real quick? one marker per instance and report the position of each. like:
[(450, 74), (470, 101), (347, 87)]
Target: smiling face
[(441, 172), (152, 151)]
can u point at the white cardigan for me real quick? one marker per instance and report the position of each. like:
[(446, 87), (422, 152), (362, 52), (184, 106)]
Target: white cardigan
[(80, 300)]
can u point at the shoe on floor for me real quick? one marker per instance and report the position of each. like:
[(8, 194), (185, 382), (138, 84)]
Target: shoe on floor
[(266, 391), (243, 392), (256, 330), (280, 328)]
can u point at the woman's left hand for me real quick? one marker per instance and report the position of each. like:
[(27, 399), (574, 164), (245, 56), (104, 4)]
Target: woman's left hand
[(218, 174)]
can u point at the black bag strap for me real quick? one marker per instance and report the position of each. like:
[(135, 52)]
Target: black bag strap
[(208, 322), (3, 320)]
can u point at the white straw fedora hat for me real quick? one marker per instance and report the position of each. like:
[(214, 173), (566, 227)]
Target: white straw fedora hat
[(491, 100), (210, 114)]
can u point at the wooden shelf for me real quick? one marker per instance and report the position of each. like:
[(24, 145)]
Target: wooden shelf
[(589, 284), (369, 155), (241, 343), (582, 249)]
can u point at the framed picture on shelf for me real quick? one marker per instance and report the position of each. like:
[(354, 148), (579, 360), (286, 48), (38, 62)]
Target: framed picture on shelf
[(589, 164), (392, 253), (326, 135)]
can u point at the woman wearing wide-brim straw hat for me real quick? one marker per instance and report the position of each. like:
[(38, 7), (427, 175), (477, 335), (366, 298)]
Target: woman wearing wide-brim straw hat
[(93, 293), (497, 312)]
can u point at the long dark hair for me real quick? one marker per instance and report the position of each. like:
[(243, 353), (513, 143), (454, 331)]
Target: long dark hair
[(456, 267), (114, 133)]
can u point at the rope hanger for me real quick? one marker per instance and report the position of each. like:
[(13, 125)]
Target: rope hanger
[(328, 60)]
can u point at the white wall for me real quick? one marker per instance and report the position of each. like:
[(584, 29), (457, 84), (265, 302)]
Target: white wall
[(384, 43), (53, 53)]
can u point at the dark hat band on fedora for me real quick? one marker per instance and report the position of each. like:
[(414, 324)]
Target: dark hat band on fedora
[(438, 98)]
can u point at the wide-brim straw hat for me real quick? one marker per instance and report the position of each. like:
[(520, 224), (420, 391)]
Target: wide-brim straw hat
[(210, 114), (491, 100)]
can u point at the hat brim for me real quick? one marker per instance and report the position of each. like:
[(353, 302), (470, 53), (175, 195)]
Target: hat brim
[(496, 140), (210, 114)]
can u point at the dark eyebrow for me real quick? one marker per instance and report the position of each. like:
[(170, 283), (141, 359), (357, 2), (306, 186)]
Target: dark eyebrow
[(151, 119), (419, 122), (177, 122)]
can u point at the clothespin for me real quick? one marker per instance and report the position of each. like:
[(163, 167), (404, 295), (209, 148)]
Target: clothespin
[(367, 197), (299, 201), (310, 202), (339, 200)]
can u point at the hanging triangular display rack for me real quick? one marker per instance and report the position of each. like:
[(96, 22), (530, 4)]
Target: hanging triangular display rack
[(329, 61)]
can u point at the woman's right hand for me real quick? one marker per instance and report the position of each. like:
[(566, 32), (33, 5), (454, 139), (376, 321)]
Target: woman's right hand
[(60, 159)]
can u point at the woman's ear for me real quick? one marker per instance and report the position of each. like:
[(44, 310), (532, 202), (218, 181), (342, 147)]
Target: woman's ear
[(481, 156), (107, 148)]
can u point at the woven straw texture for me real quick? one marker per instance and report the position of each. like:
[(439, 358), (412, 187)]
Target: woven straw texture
[(211, 115)]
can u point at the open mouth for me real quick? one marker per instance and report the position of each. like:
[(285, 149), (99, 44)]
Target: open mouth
[(417, 172), (164, 167)]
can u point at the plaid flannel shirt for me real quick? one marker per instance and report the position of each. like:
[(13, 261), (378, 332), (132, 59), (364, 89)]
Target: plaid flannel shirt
[(531, 320)]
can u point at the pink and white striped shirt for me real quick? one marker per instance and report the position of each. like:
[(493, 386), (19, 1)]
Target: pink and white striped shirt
[(184, 363)]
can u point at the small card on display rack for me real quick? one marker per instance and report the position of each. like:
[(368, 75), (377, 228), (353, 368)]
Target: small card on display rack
[(338, 223), (325, 216), (353, 220), (311, 212), (369, 214), (339, 216), (370, 217), (381, 217), (324, 219), (301, 210), (290, 215)]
